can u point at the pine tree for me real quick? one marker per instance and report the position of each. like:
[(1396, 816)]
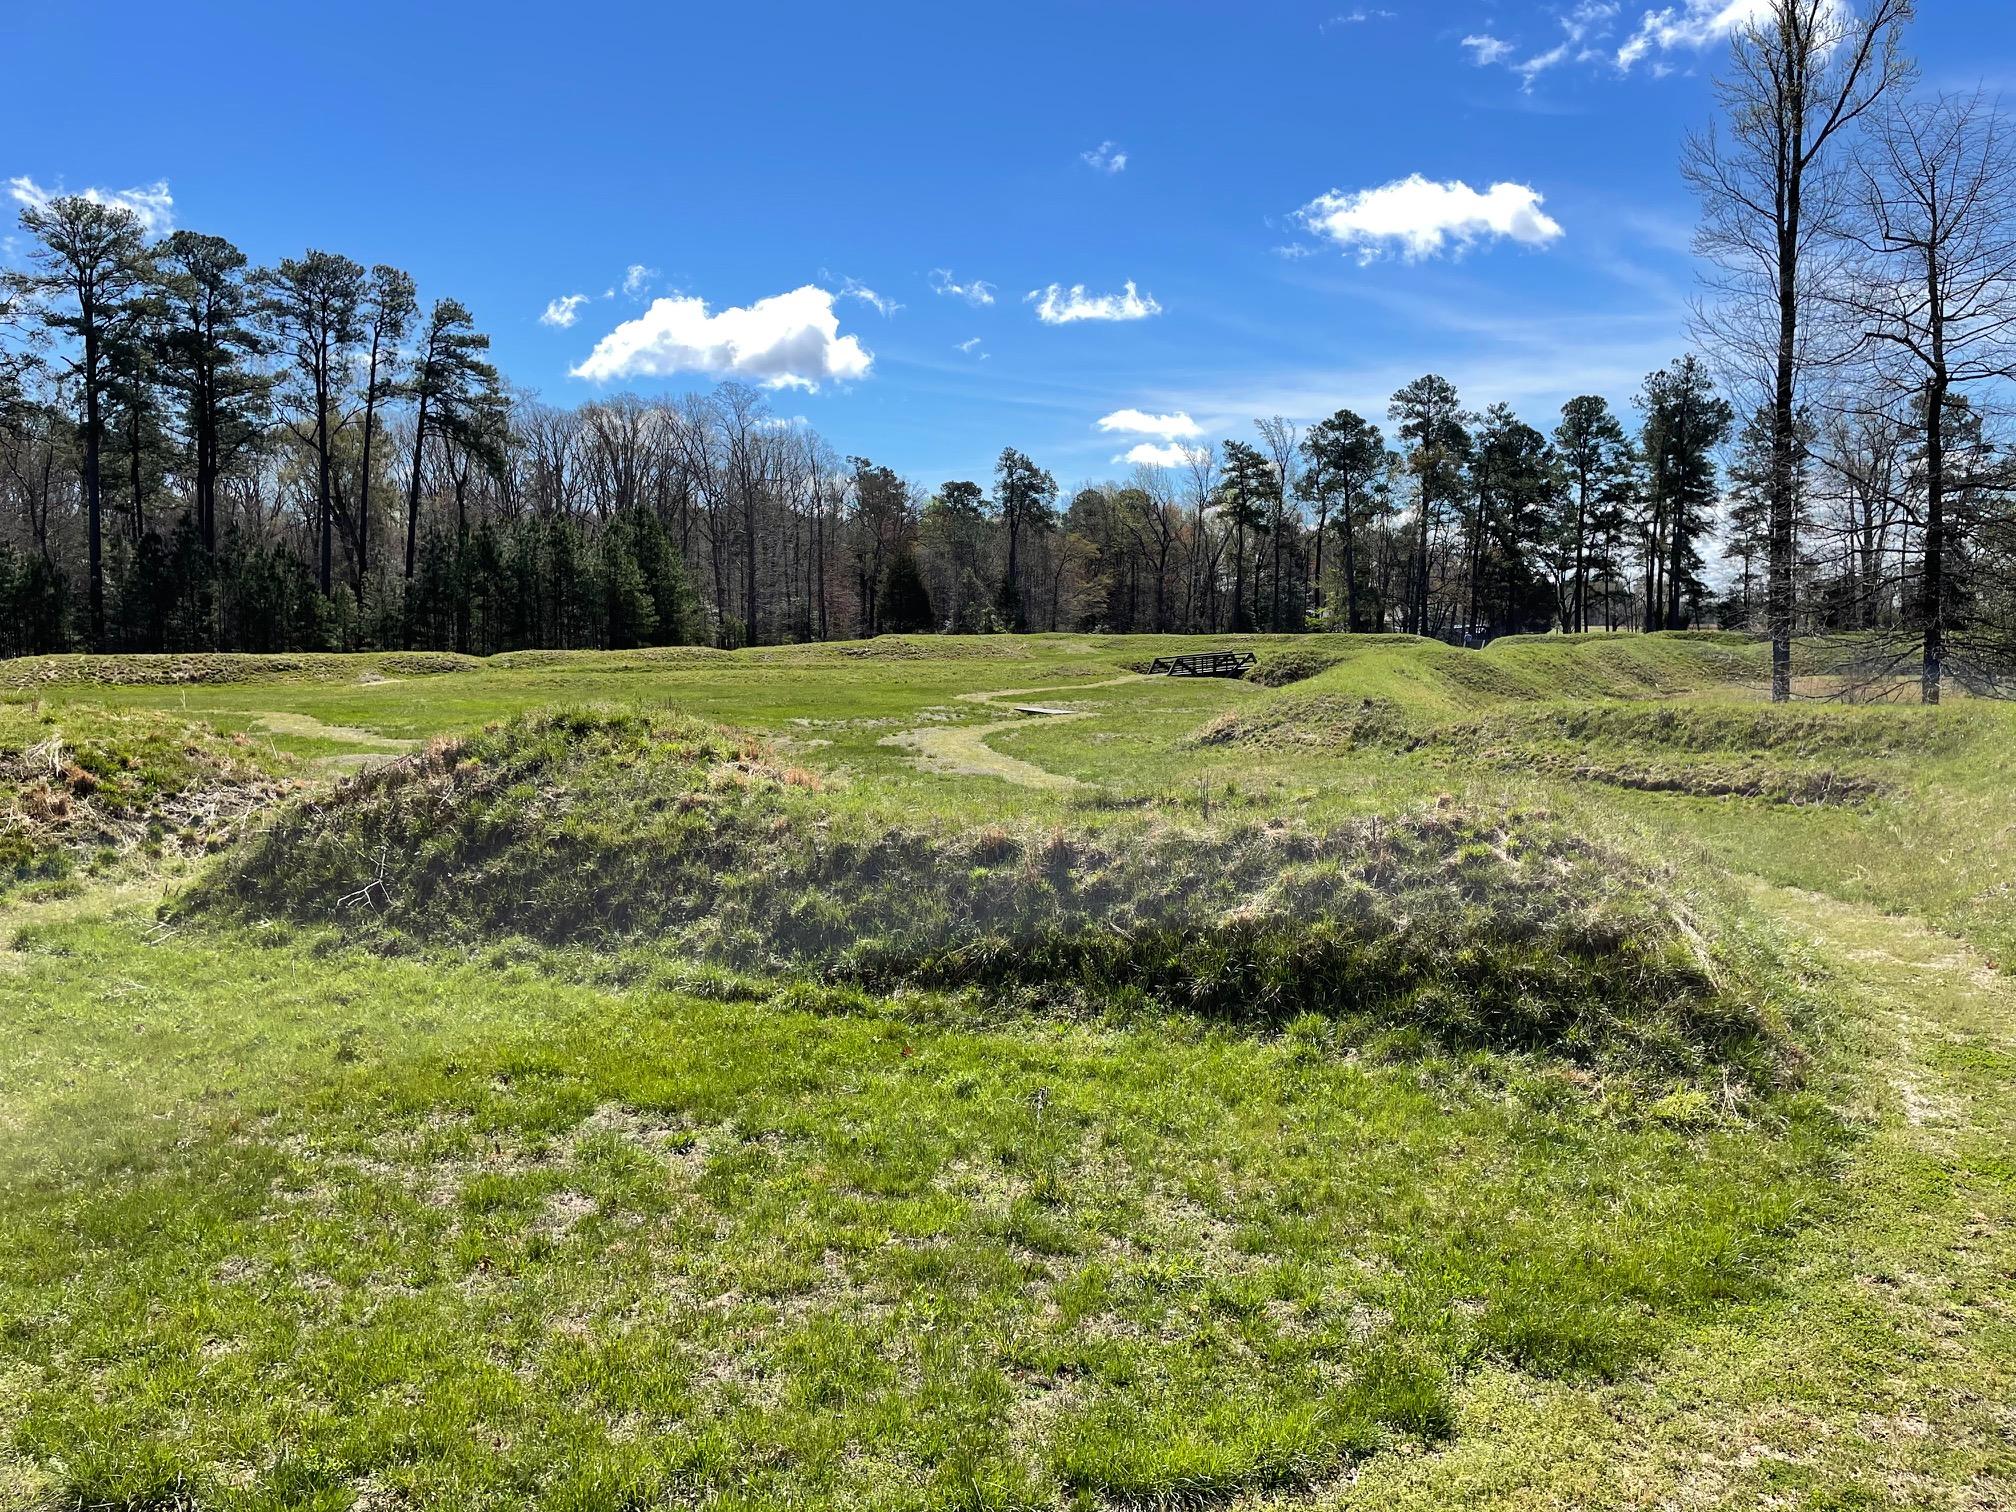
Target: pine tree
[(906, 603), (311, 305), (88, 262), (1595, 459), (1026, 496), (208, 350), (1243, 503), (1346, 456)]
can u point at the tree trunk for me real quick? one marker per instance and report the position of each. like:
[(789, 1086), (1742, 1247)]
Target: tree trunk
[(1350, 569), (413, 487), (363, 562), (1933, 671), (94, 429), (1578, 616), (1421, 567), (325, 501), (1784, 419)]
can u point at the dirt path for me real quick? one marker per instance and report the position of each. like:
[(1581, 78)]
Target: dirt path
[(308, 727), (962, 750), (370, 747), (1883, 1373)]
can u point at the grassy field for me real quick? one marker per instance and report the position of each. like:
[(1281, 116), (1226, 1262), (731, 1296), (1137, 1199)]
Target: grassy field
[(1416, 1078)]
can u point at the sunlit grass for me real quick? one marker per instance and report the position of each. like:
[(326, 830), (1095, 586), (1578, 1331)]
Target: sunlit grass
[(480, 1210)]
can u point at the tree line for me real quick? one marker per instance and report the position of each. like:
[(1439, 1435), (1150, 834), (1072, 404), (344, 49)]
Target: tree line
[(198, 453)]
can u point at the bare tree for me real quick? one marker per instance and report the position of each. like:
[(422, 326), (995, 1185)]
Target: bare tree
[(1802, 73), (1281, 438), (1935, 297)]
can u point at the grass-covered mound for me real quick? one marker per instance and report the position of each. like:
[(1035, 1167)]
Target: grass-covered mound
[(204, 668), (1797, 754), (84, 785), (1387, 690), (1601, 665), (1793, 731), (619, 828)]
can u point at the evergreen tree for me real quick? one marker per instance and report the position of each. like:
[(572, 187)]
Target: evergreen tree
[(208, 348), (455, 394), (1346, 456), (386, 313), (1244, 497), (312, 305), (1026, 496), (1685, 421), (1435, 428), (87, 263), (1515, 476), (906, 603), (1596, 468)]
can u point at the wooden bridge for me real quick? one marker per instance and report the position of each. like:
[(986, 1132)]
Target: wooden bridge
[(1204, 664)]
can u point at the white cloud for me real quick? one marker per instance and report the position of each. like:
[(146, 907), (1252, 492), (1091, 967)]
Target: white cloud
[(564, 311), (1423, 218), (971, 347), (1107, 157), (785, 341), (977, 293), (1355, 18), (1139, 422), (853, 288), (1057, 305), (152, 205), (636, 279), (1584, 29), (1148, 454), (1694, 23)]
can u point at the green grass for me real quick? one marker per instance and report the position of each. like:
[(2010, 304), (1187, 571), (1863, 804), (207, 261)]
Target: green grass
[(1566, 1082), (468, 1234), (83, 789)]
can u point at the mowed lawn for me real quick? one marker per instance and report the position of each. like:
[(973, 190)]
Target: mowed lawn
[(286, 1221)]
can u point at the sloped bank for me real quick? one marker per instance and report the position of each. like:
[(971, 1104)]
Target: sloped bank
[(83, 787), (621, 830)]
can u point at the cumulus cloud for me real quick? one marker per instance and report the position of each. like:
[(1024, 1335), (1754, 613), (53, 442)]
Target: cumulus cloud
[(1421, 218), (1486, 49), (1107, 157), (1148, 454), (637, 278), (1140, 423), (151, 204), (1693, 24), (978, 292), (564, 311), (1057, 305), (785, 341), (971, 347)]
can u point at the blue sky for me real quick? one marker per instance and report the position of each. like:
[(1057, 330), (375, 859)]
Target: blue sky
[(809, 194)]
